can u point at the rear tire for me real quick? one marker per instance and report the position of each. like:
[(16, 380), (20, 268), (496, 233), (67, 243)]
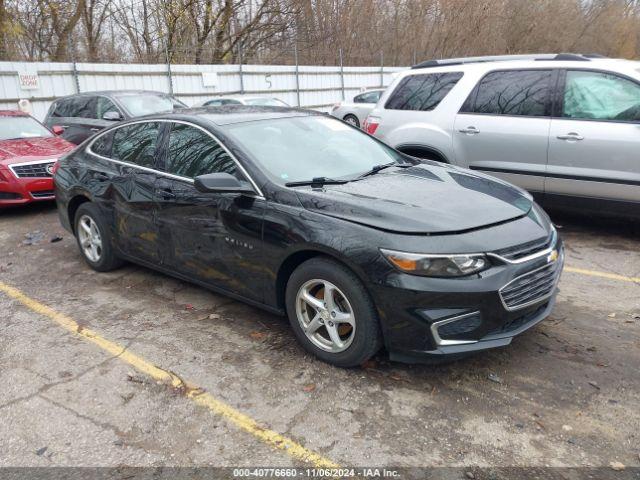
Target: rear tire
[(94, 239), (341, 327), (352, 120)]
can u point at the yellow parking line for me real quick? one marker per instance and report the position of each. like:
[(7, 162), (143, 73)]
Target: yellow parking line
[(193, 392), (610, 276)]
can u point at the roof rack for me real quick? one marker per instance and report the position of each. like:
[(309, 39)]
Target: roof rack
[(504, 58)]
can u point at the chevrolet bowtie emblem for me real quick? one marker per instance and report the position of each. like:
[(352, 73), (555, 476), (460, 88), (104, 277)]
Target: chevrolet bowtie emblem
[(553, 256)]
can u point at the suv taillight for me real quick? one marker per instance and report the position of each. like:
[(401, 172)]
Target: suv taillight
[(371, 124)]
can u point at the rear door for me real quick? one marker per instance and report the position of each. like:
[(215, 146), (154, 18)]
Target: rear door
[(595, 138), (503, 127), (213, 237), (77, 116)]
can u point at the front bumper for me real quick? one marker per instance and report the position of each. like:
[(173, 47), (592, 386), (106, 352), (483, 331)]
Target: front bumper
[(19, 191), (435, 317)]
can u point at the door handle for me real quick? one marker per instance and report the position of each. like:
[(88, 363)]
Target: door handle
[(571, 136), (165, 193), (469, 130)]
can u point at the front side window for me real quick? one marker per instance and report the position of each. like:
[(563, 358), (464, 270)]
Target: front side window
[(193, 152), (136, 143), (139, 104), (14, 128), (516, 92), (302, 148), (62, 108), (600, 96), (422, 92), (105, 105)]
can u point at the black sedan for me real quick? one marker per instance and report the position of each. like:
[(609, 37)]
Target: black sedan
[(301, 214)]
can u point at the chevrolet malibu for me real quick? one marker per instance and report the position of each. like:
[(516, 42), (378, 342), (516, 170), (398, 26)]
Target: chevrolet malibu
[(303, 215), (28, 152)]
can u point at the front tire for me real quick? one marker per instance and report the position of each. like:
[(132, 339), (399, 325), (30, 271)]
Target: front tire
[(94, 240), (332, 314)]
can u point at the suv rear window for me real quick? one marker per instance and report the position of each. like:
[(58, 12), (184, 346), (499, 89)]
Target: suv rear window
[(514, 92), (422, 92)]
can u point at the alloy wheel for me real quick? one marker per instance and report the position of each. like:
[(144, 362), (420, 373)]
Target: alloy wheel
[(325, 315), (90, 239)]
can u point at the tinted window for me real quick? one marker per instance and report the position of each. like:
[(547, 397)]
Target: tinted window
[(83, 107), (63, 108), (192, 152), (105, 105), (139, 104), (525, 92), (422, 92), (102, 144), (600, 96), (368, 97), (136, 143)]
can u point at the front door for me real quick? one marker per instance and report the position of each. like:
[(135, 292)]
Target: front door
[(503, 127), (595, 140), (213, 237)]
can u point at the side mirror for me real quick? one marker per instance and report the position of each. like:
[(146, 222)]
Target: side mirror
[(57, 130), (112, 116), (221, 183)]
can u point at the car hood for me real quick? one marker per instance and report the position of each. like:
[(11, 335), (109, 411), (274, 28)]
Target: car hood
[(423, 199), (22, 150)]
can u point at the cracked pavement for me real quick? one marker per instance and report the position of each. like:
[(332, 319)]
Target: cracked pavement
[(563, 394)]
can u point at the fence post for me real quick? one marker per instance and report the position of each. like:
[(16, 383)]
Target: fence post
[(295, 53), (381, 69), (240, 68), (74, 65), (341, 75), (166, 52)]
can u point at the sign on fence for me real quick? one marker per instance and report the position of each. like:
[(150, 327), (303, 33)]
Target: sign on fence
[(210, 79), (28, 81)]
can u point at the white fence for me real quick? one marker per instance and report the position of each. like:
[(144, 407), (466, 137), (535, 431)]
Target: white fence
[(305, 86)]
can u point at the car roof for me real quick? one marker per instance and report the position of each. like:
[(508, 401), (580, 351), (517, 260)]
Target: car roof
[(232, 114), (13, 113), (113, 93)]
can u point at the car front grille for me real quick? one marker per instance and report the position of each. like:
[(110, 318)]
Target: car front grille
[(9, 196), (526, 249), (519, 322), (531, 287), (32, 170), (42, 194)]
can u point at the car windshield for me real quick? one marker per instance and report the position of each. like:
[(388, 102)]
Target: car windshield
[(302, 148), (21, 127), (140, 104), (268, 102)]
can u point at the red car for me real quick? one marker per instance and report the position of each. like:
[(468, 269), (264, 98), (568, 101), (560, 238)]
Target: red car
[(28, 151)]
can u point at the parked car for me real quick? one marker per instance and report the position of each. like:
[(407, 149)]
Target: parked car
[(356, 112), (243, 100), (81, 116), (565, 127), (28, 151), (299, 213)]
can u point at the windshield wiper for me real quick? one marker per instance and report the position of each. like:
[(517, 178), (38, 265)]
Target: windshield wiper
[(317, 181), (378, 168)]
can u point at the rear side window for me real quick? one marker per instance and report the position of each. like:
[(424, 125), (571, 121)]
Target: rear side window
[(136, 143), (368, 97), (192, 152), (422, 92), (102, 144), (516, 92), (83, 107), (63, 108)]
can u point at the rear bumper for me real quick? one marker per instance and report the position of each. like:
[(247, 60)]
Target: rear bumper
[(423, 318), (20, 191)]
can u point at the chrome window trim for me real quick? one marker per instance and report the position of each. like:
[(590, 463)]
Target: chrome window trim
[(89, 150), (37, 162), (436, 336)]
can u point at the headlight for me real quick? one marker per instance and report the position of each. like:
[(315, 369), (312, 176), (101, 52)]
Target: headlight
[(436, 265)]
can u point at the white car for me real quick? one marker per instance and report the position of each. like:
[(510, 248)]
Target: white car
[(243, 100), (356, 112), (566, 127)]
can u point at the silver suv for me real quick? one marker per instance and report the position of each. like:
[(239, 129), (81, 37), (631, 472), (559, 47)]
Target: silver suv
[(566, 127)]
